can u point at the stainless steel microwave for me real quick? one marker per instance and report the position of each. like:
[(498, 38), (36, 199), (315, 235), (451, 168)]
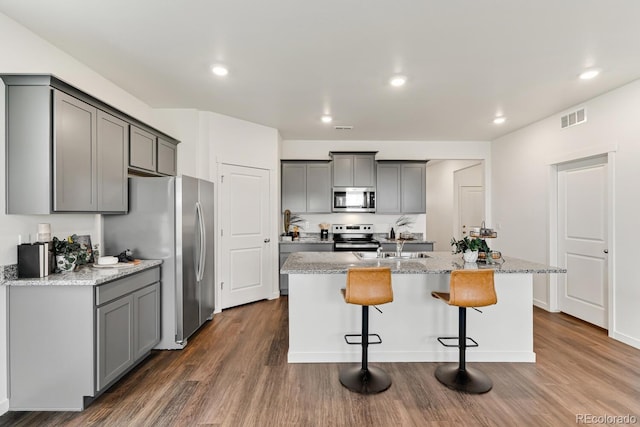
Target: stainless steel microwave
[(348, 199)]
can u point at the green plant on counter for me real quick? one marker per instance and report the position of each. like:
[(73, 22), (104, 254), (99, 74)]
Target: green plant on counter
[(467, 244), (71, 251)]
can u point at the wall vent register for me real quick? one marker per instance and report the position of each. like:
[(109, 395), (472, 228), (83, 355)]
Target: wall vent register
[(573, 118)]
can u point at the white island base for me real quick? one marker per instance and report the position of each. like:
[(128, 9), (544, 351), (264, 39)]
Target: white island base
[(319, 318)]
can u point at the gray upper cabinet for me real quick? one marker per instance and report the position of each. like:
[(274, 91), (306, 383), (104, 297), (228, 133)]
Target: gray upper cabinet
[(69, 152), (151, 154), (294, 187), (113, 145), (306, 187), (167, 158), (388, 188), (74, 155), (142, 149), (401, 188), (413, 185), (354, 169)]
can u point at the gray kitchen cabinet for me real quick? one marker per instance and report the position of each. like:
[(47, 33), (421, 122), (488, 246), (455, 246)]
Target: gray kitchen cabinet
[(408, 247), (113, 147), (142, 150), (67, 151), (306, 187), (167, 162), (354, 169), (74, 155), (287, 248), (294, 186), (401, 188), (388, 188), (68, 344), (115, 340), (150, 154)]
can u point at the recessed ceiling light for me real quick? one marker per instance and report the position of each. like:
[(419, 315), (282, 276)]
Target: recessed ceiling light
[(326, 119), (499, 120), (219, 70), (589, 74), (398, 81)]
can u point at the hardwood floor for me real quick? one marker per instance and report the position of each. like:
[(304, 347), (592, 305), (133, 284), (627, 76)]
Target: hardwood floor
[(234, 372)]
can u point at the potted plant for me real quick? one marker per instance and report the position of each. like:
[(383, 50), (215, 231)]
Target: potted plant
[(468, 247), (69, 253)]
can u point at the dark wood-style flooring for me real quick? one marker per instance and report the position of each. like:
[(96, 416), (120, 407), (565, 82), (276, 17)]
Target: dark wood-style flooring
[(234, 372)]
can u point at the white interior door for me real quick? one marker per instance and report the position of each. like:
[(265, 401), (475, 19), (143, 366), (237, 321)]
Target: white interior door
[(471, 207), (582, 240), (244, 241)]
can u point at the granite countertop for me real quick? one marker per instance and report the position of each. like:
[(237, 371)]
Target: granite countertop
[(85, 276), (437, 263)]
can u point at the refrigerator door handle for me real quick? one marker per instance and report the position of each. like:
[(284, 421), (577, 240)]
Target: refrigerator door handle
[(203, 243)]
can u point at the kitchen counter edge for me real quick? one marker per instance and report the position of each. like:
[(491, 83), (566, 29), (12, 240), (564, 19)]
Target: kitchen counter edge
[(437, 263), (85, 276)]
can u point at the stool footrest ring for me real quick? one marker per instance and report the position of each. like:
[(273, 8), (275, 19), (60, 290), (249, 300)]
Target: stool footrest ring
[(457, 344), (347, 338)]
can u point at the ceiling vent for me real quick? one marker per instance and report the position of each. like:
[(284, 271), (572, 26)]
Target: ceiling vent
[(573, 118), (343, 127)]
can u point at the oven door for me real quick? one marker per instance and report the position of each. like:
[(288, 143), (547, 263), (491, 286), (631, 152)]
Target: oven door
[(368, 246)]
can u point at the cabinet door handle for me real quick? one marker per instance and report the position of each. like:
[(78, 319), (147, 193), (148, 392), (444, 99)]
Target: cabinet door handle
[(606, 251), (267, 240)]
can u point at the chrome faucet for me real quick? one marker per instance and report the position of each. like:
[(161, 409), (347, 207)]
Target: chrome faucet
[(379, 252), (399, 246)]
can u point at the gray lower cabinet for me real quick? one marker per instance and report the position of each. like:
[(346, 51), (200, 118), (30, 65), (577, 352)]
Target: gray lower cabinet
[(287, 248), (306, 187), (401, 188), (67, 344), (408, 247)]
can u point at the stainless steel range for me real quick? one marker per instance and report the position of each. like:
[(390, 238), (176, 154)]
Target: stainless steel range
[(354, 237)]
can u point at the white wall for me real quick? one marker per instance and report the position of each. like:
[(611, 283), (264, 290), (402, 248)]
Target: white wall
[(441, 215), (24, 52), (521, 193)]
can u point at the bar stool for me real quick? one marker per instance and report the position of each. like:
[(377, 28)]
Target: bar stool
[(365, 287), (467, 288)]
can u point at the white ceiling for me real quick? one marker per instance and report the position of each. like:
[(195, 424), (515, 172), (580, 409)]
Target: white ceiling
[(290, 61)]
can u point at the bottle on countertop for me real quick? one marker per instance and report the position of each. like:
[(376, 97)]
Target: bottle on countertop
[(392, 234)]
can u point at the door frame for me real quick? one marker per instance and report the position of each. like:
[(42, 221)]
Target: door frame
[(609, 152), (274, 277)]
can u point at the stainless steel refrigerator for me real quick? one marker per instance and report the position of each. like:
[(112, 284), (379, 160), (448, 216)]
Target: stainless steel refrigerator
[(172, 219)]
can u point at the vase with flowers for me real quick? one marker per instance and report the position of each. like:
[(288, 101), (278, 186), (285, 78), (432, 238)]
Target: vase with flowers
[(70, 253)]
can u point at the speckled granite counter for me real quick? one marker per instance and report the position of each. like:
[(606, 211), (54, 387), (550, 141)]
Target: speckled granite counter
[(437, 263), (319, 317), (85, 276)]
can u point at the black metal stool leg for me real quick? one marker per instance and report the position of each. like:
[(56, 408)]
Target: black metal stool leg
[(461, 377), (365, 379)]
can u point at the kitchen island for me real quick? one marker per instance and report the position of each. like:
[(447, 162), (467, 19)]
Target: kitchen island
[(409, 326)]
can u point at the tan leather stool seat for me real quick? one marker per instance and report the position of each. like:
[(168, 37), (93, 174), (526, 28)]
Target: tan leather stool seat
[(368, 286), (467, 288), (365, 287)]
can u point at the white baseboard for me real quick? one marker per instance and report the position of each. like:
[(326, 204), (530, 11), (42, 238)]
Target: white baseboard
[(4, 406), (625, 339), (420, 356)]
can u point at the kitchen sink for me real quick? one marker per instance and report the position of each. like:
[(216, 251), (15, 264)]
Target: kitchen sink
[(391, 255)]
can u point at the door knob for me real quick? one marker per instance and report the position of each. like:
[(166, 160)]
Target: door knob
[(606, 251), (267, 240)]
